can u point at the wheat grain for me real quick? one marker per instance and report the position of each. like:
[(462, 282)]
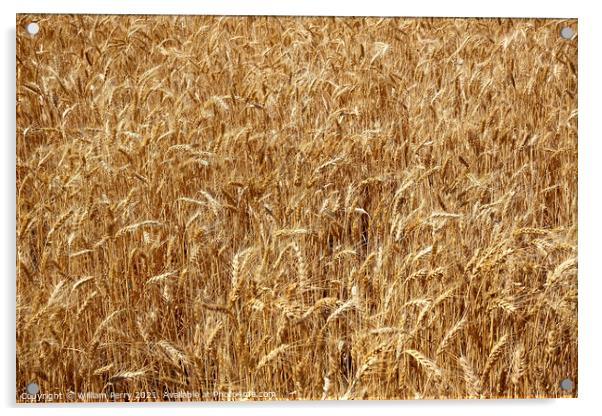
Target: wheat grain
[(473, 385), (450, 335), (494, 355), (425, 362), (272, 355), (126, 375)]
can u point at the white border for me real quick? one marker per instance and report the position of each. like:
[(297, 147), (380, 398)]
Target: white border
[(590, 176), (510, 8)]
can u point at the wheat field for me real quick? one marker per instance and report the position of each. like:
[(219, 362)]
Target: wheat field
[(283, 208)]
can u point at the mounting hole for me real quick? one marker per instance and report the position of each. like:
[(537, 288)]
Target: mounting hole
[(566, 33), (32, 388), (566, 384), (32, 28)]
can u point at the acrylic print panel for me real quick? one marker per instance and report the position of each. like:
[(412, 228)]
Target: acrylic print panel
[(292, 208)]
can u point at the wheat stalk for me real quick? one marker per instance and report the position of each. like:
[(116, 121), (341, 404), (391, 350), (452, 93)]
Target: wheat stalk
[(473, 385), (494, 355), (450, 335), (425, 362), (269, 357), (126, 375)]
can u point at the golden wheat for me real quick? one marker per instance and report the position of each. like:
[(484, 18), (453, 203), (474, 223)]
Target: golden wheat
[(316, 207)]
